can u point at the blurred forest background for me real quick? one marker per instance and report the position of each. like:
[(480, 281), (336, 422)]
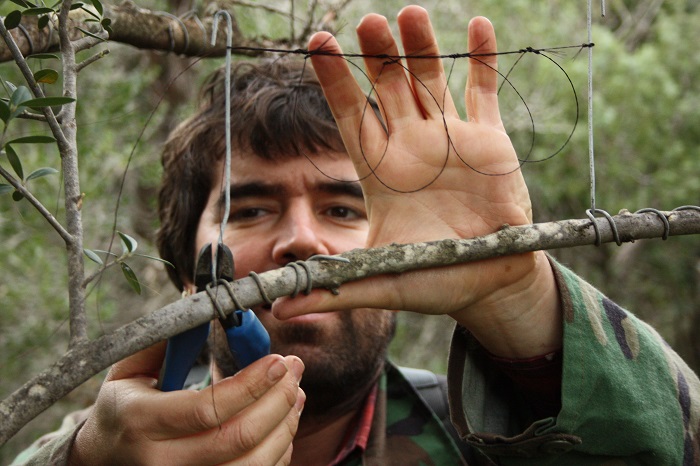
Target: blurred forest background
[(647, 133)]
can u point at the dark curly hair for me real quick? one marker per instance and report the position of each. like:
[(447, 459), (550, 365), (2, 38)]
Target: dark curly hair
[(278, 110)]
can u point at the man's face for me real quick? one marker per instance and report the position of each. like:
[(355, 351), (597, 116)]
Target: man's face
[(287, 210)]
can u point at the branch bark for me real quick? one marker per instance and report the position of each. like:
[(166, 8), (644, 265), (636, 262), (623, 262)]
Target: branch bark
[(143, 29), (87, 358)]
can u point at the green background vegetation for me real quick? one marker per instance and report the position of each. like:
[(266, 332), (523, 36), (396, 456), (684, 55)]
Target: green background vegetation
[(647, 133)]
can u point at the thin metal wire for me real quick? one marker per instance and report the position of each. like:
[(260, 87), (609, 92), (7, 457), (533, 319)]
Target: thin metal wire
[(227, 165), (591, 155), (667, 225)]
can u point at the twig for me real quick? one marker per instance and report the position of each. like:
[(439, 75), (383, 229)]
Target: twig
[(90, 60), (90, 357), (37, 205)]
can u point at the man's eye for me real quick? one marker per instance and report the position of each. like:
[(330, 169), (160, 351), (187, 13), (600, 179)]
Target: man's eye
[(344, 213), (246, 214)]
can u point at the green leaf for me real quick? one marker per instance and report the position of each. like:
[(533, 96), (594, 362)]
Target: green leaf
[(38, 139), (44, 56), (46, 76), (93, 14), (106, 24), (98, 6), (43, 21), (17, 196), (156, 259), (18, 97), (47, 102), (88, 33), (13, 19), (76, 5), (129, 244), (39, 172), (4, 111), (21, 3), (131, 277), (14, 161), (101, 251), (37, 11), (6, 188), (93, 256)]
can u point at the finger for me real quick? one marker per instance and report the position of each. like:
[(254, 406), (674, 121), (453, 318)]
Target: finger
[(482, 86), (349, 104), (388, 76), (185, 412), (276, 448), (262, 431), (146, 363), (375, 292), (427, 75)]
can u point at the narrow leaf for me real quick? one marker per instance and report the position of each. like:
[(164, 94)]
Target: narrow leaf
[(76, 5), (39, 172), (14, 161), (6, 188), (98, 6), (93, 256), (13, 19), (4, 111), (129, 243), (131, 277), (21, 3), (46, 76), (156, 259), (47, 102), (17, 196), (37, 11), (88, 33), (37, 139), (91, 13), (101, 251), (43, 22), (20, 95)]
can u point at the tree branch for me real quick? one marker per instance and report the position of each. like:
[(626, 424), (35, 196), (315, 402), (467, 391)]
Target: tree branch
[(87, 358), (67, 238), (143, 29)]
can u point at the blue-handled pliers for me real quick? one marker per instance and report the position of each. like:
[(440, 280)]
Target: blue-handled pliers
[(247, 338)]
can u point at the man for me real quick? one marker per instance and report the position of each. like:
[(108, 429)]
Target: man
[(543, 369)]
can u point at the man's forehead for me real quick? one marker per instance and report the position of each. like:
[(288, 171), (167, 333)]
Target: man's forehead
[(326, 165), (324, 174)]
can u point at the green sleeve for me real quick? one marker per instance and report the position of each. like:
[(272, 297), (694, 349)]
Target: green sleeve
[(627, 398), (54, 447)]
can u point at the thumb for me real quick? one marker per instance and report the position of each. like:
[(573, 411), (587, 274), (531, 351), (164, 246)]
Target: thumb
[(145, 363)]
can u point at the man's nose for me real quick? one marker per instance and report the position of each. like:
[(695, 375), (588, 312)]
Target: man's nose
[(299, 238)]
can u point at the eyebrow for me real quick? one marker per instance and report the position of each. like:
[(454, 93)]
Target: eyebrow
[(262, 189)]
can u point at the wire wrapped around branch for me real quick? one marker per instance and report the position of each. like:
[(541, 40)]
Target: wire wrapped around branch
[(87, 358)]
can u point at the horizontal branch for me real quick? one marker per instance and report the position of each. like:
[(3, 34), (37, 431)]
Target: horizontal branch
[(85, 359), (141, 28)]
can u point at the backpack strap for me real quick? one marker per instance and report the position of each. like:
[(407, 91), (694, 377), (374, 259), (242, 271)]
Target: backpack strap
[(432, 390)]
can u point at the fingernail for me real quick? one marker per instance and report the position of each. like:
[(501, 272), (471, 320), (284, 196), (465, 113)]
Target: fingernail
[(296, 366), (301, 399), (277, 370)]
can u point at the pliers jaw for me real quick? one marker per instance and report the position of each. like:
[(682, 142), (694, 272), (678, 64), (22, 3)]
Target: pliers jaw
[(247, 338)]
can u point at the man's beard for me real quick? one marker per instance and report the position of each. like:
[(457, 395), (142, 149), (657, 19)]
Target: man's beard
[(342, 365)]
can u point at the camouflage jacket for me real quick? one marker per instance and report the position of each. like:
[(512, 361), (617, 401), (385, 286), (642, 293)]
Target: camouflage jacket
[(627, 399)]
